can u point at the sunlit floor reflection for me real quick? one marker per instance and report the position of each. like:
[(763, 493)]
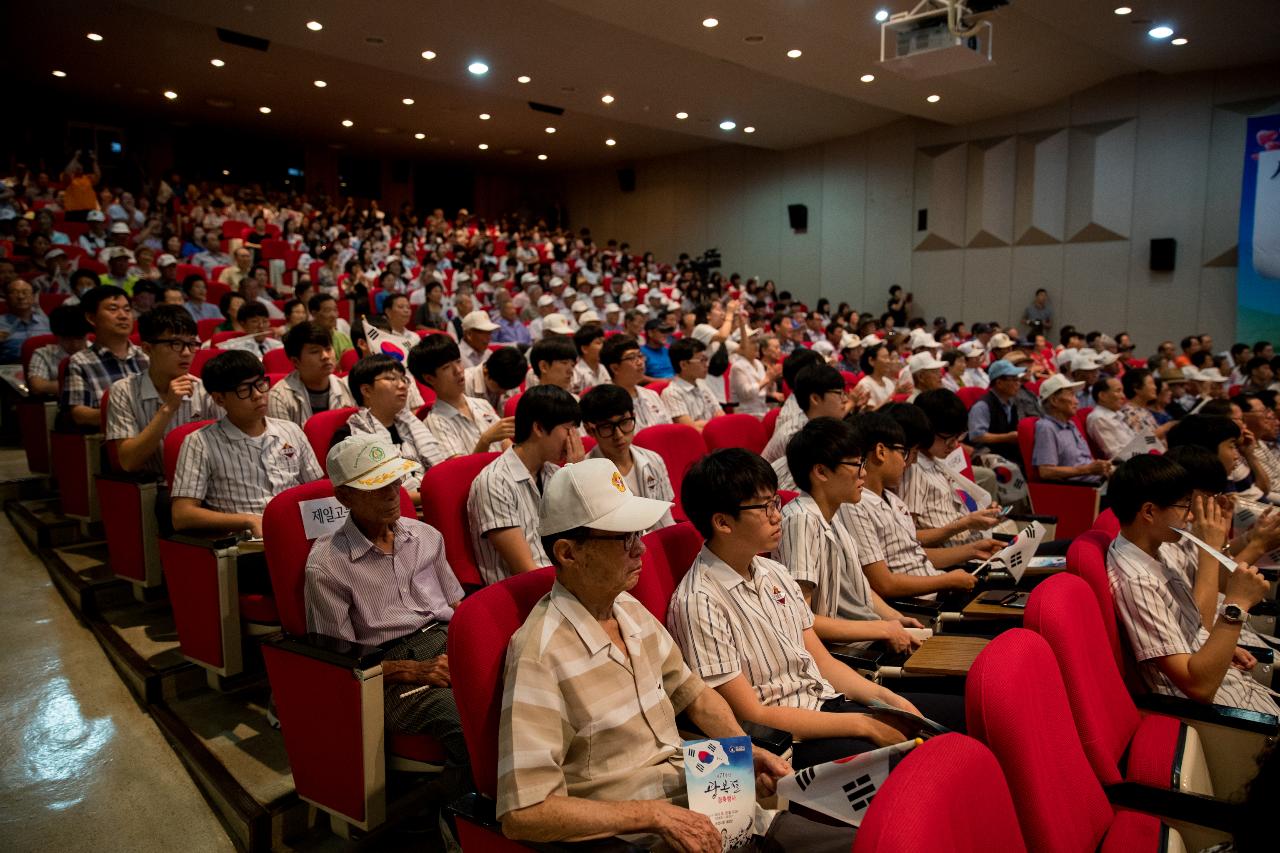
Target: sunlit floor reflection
[(60, 747)]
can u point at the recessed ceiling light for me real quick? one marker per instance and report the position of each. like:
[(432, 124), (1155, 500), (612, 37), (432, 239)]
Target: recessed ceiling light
[(1179, 41), (265, 110), (478, 68), (611, 142), (408, 102), (1160, 32), (748, 129), (485, 116), (428, 54), (93, 37), (682, 115), (524, 78), (226, 172), (727, 125), (315, 26), (57, 73), (606, 99), (419, 136), (794, 54), (882, 15), (320, 84), (483, 146), (170, 94), (346, 122), (542, 156), (1123, 10), (933, 99), (550, 130), (217, 63), (710, 22), (867, 78)]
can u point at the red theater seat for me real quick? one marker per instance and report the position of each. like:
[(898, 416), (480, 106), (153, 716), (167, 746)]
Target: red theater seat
[(680, 446), (1075, 506), (320, 428), (770, 422), (743, 431), (276, 361), (969, 396), (444, 492)]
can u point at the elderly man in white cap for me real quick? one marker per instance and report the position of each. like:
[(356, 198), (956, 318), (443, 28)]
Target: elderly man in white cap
[(974, 375), (926, 373), (588, 745), (1061, 453), (477, 330), (383, 580), (546, 307)]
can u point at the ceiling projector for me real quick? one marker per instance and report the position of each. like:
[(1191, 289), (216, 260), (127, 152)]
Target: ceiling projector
[(938, 37)]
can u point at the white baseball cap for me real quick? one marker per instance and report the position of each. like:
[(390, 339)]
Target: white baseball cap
[(478, 319), (597, 291), (592, 494), (529, 278), (919, 339), (556, 281), (588, 316), (121, 227), (556, 324), (1000, 341), (612, 308), (1106, 357), (1212, 374), (545, 300), (1056, 383), (923, 361), (366, 462), (871, 341), (1063, 357), (579, 306), (166, 260), (972, 349), (1085, 361)]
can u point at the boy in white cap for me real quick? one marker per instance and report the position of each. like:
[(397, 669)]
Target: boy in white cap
[(383, 580)]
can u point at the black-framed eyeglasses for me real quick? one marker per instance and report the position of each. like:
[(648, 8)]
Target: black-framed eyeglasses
[(245, 390), (773, 506), (901, 448), (607, 429), (857, 464), (1184, 507), (628, 540), (957, 438), (178, 344)]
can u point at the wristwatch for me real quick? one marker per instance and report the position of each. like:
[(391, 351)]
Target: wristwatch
[(1233, 613)]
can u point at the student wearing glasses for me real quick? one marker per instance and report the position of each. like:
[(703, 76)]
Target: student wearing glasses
[(228, 471), (622, 357), (745, 629), (145, 407), (822, 556), (608, 417), (820, 392)]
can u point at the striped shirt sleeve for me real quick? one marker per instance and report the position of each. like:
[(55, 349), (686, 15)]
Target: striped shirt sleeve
[(532, 752), (866, 533), (494, 503), (797, 550), (328, 603), (701, 628), (121, 422), (282, 404), (1152, 629), (191, 477)]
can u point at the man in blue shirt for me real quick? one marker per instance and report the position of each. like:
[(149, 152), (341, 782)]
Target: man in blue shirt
[(993, 420), (657, 362), (24, 320), (511, 330), (1061, 453)]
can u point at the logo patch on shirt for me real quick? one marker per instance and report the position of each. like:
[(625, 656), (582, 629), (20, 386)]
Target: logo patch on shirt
[(778, 595), (618, 483), (289, 451)]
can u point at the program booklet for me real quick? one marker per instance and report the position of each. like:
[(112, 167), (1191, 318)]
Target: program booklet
[(720, 776)]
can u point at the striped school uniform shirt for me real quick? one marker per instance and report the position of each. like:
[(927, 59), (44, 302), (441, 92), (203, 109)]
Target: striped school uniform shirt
[(726, 624), (228, 471), (580, 718), (134, 401), (504, 495), (458, 434), (1158, 612), (649, 408), (288, 399), (883, 528), (690, 399), (825, 555), (584, 378), (782, 433), (932, 493), (790, 417)]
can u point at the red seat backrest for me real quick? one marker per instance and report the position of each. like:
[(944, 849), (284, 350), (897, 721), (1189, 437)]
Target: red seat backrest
[(657, 385), (206, 328), (654, 587), (186, 270), (969, 395), (1107, 523), (1016, 704), (770, 422), (509, 407), (234, 228), (173, 444), (320, 428), (30, 345), (680, 446), (348, 361), (444, 491), (215, 290), (478, 637), (273, 378), (218, 337), (680, 544), (287, 548), (927, 803), (1027, 446), (49, 301), (200, 358), (276, 361), (743, 431), (1063, 610), (1087, 558)]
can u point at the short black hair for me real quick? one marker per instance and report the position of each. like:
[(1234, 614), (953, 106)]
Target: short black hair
[(553, 348), (224, 304), (505, 366), (430, 354), (1202, 466), (1207, 431), (391, 298), (548, 406), (614, 347), (821, 441), (799, 359), (722, 481), (94, 297), (1147, 478), (318, 299), (249, 310), (1254, 363), (684, 349), (868, 357), (1101, 386), (68, 321), (173, 319), (877, 428), (587, 335), (367, 370), (306, 332), (1237, 349), (944, 410), (190, 282), (1260, 346), (228, 370), (1186, 342), (1134, 379), (914, 423), (816, 379), (602, 402), (1217, 408)]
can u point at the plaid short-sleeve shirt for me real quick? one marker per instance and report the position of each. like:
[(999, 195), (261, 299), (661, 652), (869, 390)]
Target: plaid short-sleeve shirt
[(93, 370)]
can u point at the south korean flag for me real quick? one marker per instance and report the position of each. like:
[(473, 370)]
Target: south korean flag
[(843, 789), (1017, 554), (704, 756)]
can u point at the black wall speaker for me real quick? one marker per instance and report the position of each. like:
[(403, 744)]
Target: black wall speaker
[(627, 180), (1164, 253), (799, 216)]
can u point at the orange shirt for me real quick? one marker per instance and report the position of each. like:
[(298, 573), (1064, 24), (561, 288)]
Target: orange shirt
[(80, 194)]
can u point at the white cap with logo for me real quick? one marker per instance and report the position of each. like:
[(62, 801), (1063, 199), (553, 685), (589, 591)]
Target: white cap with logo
[(1056, 383), (366, 462), (924, 361), (478, 320), (592, 493)]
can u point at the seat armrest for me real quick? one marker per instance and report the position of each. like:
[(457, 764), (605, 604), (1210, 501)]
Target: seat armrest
[(1264, 654), (1221, 715), (776, 741), (853, 656), (328, 649), (916, 607), (1267, 607), (482, 812), (212, 543), (1029, 517), (1182, 806)]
